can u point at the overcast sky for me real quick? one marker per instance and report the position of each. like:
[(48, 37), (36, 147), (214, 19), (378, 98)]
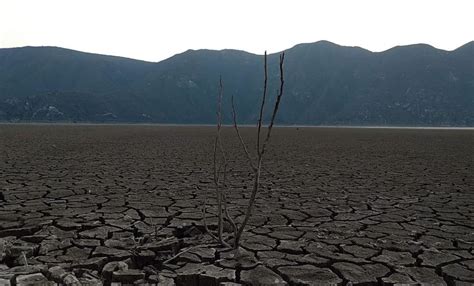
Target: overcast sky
[(154, 30)]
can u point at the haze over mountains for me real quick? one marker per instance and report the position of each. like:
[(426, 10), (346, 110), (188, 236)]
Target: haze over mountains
[(325, 84)]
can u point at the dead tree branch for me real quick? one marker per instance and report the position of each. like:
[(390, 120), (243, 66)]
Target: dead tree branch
[(260, 152), (220, 168)]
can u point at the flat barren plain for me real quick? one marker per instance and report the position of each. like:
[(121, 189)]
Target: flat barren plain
[(97, 204)]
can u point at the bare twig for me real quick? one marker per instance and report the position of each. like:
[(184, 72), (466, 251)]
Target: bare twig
[(260, 152), (179, 254), (277, 103), (264, 96), (242, 143), (205, 221), (229, 218)]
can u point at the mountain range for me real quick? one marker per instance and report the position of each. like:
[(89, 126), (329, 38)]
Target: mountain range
[(325, 84)]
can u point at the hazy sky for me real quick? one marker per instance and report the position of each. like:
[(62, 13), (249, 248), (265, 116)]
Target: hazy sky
[(154, 30)]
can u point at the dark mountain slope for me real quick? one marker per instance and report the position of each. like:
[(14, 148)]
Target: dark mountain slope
[(325, 84)]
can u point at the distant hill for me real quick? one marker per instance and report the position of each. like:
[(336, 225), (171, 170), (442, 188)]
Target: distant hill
[(326, 84)]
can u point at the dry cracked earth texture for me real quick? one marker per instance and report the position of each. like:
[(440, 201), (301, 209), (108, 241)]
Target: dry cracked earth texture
[(122, 205)]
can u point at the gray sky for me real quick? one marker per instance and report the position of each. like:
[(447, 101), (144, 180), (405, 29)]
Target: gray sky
[(155, 30)]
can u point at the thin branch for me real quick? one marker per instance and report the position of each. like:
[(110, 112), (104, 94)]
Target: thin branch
[(250, 205), (264, 96), (257, 171), (179, 254), (277, 103), (236, 127), (205, 222), (229, 218), (219, 143)]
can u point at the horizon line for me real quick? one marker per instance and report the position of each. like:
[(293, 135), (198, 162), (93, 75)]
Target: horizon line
[(232, 49)]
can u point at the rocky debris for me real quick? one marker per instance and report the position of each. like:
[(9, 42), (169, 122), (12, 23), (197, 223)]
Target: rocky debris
[(309, 275)]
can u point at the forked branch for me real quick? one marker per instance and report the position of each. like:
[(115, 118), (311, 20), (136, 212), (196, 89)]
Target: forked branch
[(260, 152)]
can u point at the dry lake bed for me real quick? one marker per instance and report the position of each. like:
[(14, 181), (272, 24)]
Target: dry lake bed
[(97, 204)]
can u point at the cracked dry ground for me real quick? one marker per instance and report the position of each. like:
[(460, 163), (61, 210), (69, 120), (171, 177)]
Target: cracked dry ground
[(96, 205)]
